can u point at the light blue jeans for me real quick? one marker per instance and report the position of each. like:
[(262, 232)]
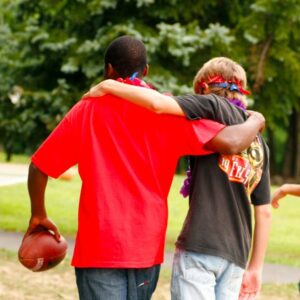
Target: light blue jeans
[(198, 276)]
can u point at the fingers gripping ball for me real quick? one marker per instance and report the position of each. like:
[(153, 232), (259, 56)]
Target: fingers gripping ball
[(40, 251)]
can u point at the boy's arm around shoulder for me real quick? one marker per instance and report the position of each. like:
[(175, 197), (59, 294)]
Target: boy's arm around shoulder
[(145, 97), (235, 138)]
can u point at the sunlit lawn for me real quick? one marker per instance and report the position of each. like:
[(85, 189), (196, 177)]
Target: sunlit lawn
[(62, 202), (16, 158)]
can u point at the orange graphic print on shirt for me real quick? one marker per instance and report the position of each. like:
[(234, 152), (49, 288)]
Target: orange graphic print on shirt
[(246, 167)]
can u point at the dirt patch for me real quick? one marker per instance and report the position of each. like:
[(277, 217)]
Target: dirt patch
[(16, 282)]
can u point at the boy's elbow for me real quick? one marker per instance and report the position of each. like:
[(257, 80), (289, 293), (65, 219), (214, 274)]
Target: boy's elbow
[(224, 144), (231, 146), (156, 106), (265, 211), (231, 149)]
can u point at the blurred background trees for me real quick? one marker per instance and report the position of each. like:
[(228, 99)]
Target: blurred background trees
[(52, 51)]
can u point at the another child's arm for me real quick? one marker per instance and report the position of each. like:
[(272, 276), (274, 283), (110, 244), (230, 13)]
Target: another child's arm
[(233, 139), (285, 189), (251, 283), (141, 96)]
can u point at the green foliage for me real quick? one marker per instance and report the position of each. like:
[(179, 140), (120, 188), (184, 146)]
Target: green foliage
[(269, 39), (53, 51), (62, 207), (272, 36)]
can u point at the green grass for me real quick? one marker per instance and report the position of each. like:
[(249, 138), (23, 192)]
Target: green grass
[(62, 203), (279, 291), (16, 158), (284, 243), (178, 207)]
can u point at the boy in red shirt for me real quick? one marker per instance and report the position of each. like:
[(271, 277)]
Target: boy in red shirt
[(126, 158)]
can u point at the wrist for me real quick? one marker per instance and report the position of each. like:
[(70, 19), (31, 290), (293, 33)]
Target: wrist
[(283, 189), (258, 120), (252, 267), (38, 214)]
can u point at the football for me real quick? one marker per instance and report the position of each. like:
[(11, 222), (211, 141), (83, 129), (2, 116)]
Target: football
[(40, 251)]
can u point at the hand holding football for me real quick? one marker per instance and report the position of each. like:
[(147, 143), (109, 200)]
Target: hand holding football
[(40, 251)]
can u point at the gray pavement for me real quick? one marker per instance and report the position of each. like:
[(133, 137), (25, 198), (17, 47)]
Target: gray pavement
[(272, 273), (14, 173)]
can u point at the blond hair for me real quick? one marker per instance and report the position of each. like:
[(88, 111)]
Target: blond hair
[(230, 70)]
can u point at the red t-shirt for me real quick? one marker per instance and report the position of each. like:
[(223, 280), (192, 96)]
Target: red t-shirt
[(126, 157)]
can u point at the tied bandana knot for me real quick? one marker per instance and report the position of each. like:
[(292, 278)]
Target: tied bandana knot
[(219, 81), (134, 80)]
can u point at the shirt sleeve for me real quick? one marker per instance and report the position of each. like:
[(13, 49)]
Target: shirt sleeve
[(262, 194), (60, 150), (197, 134), (210, 107)]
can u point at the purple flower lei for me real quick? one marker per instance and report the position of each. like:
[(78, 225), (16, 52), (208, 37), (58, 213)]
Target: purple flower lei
[(238, 103), (186, 187)]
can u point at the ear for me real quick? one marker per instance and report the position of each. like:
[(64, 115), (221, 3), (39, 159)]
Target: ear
[(146, 70), (110, 72), (205, 88)]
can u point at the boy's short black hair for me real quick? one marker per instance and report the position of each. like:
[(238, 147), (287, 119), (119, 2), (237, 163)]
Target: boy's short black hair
[(127, 55)]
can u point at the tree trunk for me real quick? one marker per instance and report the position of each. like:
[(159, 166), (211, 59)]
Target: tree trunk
[(272, 147), (291, 166), (8, 156), (8, 153), (297, 135)]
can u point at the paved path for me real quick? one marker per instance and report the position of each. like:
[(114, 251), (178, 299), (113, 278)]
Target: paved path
[(14, 173), (272, 273)]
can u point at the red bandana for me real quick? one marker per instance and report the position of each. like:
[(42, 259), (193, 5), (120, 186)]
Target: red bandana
[(219, 81)]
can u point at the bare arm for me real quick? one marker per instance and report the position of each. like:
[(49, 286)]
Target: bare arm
[(37, 182), (234, 139), (251, 283), (144, 97), (285, 189)]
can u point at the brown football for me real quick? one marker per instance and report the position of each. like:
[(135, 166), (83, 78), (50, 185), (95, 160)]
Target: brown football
[(40, 251)]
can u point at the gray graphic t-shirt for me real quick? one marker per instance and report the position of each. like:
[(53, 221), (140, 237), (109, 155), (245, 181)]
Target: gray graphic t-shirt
[(223, 187)]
